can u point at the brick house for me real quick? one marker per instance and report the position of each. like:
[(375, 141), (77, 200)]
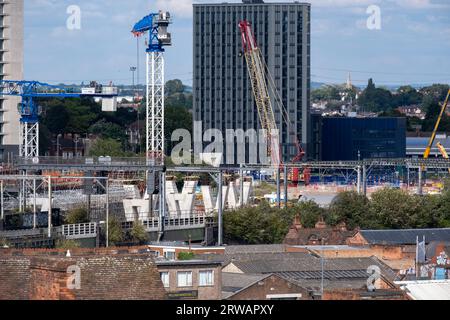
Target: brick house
[(191, 279), (101, 277), (68, 146), (261, 287), (321, 234)]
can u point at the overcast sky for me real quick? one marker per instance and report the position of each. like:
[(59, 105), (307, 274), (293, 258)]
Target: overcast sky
[(412, 46)]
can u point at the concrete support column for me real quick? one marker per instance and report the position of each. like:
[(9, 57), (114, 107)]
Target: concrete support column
[(50, 206), (220, 210), (364, 169), (278, 173), (419, 187), (1, 200), (162, 205), (358, 182), (285, 186), (107, 212), (241, 187)]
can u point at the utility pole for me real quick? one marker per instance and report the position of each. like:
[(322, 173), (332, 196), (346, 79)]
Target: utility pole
[(50, 206), (1, 199), (322, 267), (34, 203), (107, 212)]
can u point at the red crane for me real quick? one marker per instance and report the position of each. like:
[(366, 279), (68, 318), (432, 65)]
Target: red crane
[(263, 90)]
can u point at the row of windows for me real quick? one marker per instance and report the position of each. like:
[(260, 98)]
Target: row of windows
[(184, 278)]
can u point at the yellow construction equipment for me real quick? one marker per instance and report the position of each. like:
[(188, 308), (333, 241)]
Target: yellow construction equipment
[(442, 151), (427, 152)]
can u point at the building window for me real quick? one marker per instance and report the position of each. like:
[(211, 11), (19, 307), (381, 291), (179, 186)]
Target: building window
[(169, 254), (184, 279), (165, 279), (206, 278)]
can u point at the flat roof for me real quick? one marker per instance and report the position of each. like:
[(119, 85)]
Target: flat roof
[(225, 4), (331, 247), (426, 290), (174, 263)]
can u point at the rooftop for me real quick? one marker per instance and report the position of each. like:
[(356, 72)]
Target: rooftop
[(405, 237), (427, 290)]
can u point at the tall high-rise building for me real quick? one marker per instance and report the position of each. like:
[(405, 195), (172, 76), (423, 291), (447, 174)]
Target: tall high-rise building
[(223, 97), (11, 68)]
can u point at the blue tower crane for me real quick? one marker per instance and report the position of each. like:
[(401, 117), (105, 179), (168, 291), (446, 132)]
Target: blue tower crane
[(29, 111), (155, 24)]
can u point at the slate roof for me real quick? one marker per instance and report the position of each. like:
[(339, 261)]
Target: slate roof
[(264, 248), (327, 236), (405, 237), (234, 282)]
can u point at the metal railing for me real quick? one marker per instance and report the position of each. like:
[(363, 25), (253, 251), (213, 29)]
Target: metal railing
[(173, 223), (80, 231), (81, 161)]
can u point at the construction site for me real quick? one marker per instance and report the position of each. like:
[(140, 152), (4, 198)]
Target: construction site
[(183, 204)]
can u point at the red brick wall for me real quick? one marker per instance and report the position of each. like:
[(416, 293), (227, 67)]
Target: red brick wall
[(102, 277), (115, 277), (357, 294), (14, 278)]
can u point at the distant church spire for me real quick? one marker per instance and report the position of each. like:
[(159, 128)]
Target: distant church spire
[(349, 81)]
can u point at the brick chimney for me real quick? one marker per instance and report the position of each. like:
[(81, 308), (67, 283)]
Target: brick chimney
[(321, 224), (298, 222)]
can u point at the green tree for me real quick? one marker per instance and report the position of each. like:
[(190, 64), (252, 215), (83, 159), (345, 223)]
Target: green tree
[(67, 244), (45, 139), (375, 99), (351, 208), (83, 114), (176, 118), (109, 130), (56, 117), (116, 234), (394, 209), (264, 224), (138, 232), (407, 95), (77, 216), (107, 147), (437, 92), (326, 92), (184, 256), (433, 110), (309, 212), (252, 225), (174, 86)]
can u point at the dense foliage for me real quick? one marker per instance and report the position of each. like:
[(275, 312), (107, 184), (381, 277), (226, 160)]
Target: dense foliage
[(77, 216), (84, 116), (387, 209)]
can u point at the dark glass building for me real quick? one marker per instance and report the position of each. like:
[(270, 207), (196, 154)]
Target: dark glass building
[(223, 97), (359, 138)]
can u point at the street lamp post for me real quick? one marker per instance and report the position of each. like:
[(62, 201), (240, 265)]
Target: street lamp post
[(76, 140), (133, 70), (58, 147)]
